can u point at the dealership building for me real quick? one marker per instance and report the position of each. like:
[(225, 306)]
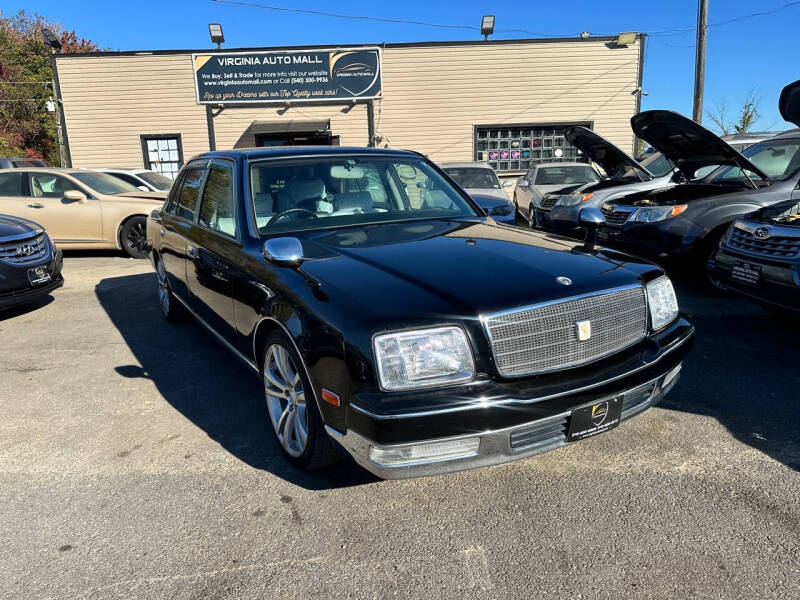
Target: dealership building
[(504, 102)]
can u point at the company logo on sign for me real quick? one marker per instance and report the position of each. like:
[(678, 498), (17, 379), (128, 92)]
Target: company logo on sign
[(599, 413)]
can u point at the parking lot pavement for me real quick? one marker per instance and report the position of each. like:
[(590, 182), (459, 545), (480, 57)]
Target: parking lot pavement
[(135, 461)]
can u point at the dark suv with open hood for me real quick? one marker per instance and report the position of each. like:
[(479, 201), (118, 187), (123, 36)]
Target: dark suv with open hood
[(692, 217), (760, 255)]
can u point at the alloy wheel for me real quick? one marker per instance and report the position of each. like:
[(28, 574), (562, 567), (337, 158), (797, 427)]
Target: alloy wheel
[(136, 236), (286, 400), (163, 288)]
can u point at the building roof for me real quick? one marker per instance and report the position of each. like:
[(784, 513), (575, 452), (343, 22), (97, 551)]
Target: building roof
[(302, 151)]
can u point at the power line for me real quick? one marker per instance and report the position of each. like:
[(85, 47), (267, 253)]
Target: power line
[(760, 13)]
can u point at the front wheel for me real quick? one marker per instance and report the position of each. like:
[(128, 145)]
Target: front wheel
[(293, 413), (133, 237)]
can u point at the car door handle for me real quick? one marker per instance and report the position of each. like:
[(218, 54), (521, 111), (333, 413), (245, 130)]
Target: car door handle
[(191, 251), (35, 205), (162, 231)]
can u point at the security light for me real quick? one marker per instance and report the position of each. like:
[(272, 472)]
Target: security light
[(585, 35), (487, 26), (215, 31), (50, 39), (626, 38)]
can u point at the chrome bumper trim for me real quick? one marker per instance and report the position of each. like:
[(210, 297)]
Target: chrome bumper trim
[(495, 447)]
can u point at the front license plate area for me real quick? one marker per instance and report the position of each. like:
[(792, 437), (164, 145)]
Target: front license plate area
[(38, 275), (745, 272), (594, 419)]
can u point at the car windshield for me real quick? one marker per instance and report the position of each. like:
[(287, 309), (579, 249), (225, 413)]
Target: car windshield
[(565, 175), (103, 183), (779, 159), (658, 164), (326, 192), (157, 180), (474, 177)]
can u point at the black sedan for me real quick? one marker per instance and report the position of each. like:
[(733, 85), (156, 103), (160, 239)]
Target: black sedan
[(388, 316), (30, 264)]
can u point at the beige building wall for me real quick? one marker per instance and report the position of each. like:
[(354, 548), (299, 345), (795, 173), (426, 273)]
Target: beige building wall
[(433, 96)]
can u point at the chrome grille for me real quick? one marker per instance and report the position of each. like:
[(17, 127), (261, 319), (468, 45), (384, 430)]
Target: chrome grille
[(544, 337), (548, 201), (541, 434), (775, 246), (22, 252), (615, 217)]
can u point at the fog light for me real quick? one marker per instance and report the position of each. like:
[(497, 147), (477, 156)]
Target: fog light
[(399, 456), (670, 377)]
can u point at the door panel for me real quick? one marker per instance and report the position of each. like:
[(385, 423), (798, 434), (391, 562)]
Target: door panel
[(12, 196), (65, 220)]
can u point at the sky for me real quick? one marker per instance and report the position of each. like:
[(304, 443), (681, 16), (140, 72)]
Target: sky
[(743, 54)]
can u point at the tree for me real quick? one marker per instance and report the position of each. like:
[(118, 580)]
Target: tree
[(747, 116), (26, 128)]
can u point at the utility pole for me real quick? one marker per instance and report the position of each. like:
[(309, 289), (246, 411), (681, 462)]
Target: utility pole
[(700, 61)]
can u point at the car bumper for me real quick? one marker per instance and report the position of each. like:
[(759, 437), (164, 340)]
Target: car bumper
[(16, 288), (778, 283), (506, 428), (651, 240)]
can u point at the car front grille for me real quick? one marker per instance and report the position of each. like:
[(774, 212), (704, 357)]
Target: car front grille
[(615, 217), (23, 252), (777, 246), (544, 337), (548, 201)]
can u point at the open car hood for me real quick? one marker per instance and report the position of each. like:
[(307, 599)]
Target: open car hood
[(688, 145), (613, 160), (789, 103)]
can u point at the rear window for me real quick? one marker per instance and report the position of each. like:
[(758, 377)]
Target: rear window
[(565, 175), (157, 180), (103, 183), (24, 162)]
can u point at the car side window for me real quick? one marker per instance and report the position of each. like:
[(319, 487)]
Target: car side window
[(216, 206), (190, 192), (172, 199), (50, 185), (11, 184)]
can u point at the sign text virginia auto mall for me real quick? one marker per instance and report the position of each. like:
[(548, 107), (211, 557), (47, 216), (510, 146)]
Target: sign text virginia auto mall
[(292, 76)]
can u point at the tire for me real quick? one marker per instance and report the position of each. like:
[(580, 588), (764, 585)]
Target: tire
[(133, 237), (291, 409), (171, 308), (706, 251)]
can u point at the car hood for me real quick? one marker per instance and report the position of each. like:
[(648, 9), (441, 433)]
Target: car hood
[(14, 227), (603, 152), (688, 145), (487, 201), (476, 193), (789, 103), (436, 270), (154, 196)]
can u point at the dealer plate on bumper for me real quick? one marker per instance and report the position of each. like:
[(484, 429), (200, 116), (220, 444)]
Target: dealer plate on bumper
[(745, 272), (38, 275), (594, 419)]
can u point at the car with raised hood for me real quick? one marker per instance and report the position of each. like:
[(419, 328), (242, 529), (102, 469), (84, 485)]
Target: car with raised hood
[(388, 316), (560, 211), (686, 221), (143, 179), (760, 255), (80, 209), (542, 183), (30, 264)]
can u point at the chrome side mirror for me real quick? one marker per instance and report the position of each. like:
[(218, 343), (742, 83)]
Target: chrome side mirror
[(508, 183), (590, 218), (522, 183), (283, 252)]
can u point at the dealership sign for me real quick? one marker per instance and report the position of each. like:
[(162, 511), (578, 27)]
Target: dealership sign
[(291, 76)]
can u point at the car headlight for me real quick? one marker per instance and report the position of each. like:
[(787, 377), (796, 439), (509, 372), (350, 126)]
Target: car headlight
[(573, 199), (662, 302), (651, 214), (423, 358), (501, 210)]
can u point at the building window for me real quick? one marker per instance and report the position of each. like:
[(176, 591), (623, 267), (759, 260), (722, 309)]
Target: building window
[(163, 153), (516, 148)]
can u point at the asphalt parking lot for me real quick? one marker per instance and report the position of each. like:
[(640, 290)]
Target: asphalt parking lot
[(136, 461)]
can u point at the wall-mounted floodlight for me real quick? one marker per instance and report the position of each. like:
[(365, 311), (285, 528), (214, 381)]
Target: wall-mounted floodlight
[(215, 31), (487, 26), (626, 38), (51, 40), (585, 35)]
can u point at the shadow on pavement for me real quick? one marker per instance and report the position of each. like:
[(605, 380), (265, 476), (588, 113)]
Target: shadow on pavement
[(744, 371), (203, 381), (23, 309)]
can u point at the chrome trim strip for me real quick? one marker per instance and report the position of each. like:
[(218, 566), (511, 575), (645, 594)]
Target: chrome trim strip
[(775, 230), (484, 321), (225, 342), (490, 403)]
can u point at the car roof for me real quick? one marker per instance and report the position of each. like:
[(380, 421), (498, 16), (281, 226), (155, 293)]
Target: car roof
[(563, 164), (47, 170), (132, 170), (304, 151), (790, 133)]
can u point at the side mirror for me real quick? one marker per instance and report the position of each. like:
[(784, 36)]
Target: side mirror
[(75, 196), (283, 252), (508, 183), (523, 183), (590, 219), (144, 188)]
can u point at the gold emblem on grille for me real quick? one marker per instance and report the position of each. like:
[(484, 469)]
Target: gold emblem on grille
[(583, 329)]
